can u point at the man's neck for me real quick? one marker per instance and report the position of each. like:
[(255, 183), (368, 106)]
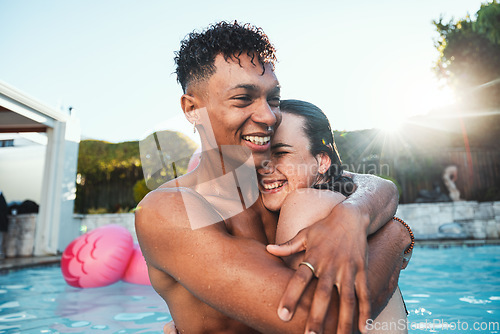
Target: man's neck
[(225, 169)]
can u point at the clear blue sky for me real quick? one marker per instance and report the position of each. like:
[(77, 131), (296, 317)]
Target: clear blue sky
[(365, 63)]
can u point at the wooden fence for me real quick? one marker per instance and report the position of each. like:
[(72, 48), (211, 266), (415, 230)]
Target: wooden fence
[(478, 174)]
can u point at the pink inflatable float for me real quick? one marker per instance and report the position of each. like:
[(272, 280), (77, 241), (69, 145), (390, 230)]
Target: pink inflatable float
[(102, 257), (137, 270)]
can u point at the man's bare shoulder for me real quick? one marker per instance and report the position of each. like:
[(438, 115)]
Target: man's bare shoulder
[(184, 181), (172, 221), (178, 207), (166, 198)]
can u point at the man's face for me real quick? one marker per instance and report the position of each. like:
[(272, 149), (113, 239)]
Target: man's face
[(243, 104)]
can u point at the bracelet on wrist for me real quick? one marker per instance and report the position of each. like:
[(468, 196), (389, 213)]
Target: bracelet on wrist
[(411, 234)]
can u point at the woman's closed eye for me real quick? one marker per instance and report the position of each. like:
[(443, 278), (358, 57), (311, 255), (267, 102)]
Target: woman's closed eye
[(274, 101), (279, 154)]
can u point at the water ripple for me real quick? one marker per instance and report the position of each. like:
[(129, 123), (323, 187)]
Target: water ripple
[(132, 316), (472, 300), (9, 305), (16, 317)]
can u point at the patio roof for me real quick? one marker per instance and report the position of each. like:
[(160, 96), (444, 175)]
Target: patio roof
[(22, 113)]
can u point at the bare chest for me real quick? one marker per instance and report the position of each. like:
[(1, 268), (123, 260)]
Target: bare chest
[(255, 223)]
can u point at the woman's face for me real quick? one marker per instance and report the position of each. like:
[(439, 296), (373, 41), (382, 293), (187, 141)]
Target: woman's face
[(291, 167)]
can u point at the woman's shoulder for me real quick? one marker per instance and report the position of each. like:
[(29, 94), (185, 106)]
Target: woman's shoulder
[(313, 197)]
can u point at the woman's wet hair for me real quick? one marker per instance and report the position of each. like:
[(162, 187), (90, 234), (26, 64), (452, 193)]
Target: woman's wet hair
[(319, 132), (196, 57)]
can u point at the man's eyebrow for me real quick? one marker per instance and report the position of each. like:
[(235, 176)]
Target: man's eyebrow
[(279, 145), (275, 89), (245, 86)]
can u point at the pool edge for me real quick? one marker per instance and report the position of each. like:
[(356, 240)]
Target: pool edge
[(14, 263), (443, 243)]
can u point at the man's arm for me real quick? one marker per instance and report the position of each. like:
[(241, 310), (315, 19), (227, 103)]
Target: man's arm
[(377, 200), (343, 233), (208, 261)]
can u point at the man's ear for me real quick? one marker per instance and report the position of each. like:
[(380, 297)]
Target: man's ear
[(324, 162), (190, 108)]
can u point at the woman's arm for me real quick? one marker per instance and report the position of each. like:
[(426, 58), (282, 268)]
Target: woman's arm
[(344, 232), (304, 207), (300, 209)]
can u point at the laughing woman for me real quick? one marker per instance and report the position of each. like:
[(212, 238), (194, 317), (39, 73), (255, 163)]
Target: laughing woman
[(303, 181)]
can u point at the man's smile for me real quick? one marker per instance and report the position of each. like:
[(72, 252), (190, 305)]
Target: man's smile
[(257, 140)]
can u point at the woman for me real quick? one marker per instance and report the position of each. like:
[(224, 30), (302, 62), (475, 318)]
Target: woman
[(304, 181)]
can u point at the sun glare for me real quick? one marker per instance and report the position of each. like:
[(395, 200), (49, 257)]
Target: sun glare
[(391, 124), (437, 97), (416, 97)]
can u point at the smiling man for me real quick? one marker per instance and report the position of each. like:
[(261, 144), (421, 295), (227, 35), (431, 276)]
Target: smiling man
[(204, 234)]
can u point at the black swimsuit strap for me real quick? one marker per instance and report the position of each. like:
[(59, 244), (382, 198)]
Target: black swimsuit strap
[(404, 304)]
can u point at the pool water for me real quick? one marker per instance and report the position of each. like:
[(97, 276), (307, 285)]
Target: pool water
[(39, 301), (447, 290), (453, 290)]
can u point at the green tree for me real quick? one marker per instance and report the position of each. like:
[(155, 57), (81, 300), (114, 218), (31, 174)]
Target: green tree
[(106, 175), (140, 190), (470, 57), (110, 176)]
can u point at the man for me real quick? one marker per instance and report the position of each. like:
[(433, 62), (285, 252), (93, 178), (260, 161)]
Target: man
[(204, 235)]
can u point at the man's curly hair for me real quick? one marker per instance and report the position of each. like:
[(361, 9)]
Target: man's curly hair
[(196, 57)]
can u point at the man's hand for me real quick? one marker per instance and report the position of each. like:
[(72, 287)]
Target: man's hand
[(336, 247)]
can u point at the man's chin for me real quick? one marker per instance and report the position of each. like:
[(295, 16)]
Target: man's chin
[(271, 205), (261, 158)]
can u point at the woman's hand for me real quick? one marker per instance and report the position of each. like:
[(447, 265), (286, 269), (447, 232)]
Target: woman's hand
[(336, 247), (406, 259), (169, 328)]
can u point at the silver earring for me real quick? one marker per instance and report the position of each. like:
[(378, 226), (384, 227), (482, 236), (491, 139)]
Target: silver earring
[(194, 127)]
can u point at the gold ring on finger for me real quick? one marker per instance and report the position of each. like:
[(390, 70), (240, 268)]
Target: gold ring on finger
[(308, 265)]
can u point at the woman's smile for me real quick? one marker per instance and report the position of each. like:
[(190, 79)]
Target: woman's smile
[(271, 186)]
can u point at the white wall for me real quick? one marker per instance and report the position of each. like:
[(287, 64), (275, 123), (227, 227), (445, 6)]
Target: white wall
[(474, 220), (90, 222), (21, 172)]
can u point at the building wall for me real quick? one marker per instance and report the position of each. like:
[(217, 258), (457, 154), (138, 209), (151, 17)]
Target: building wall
[(21, 172)]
